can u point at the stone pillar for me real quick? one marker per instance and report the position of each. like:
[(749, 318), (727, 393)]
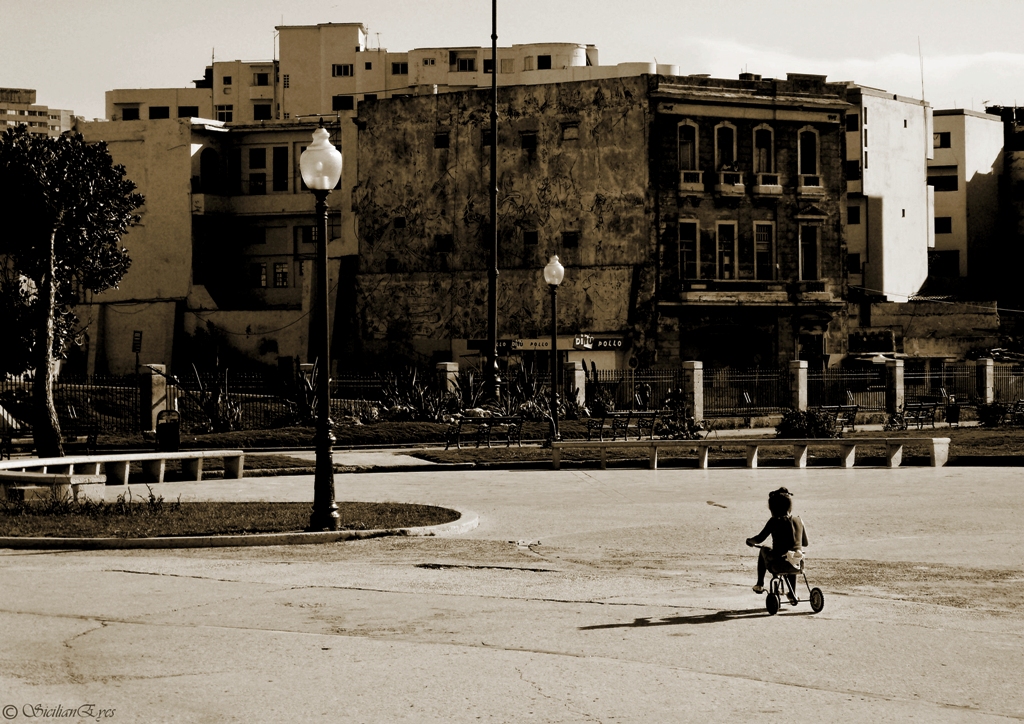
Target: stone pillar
[(448, 376), (894, 391), (576, 378), (153, 394), (798, 384), (693, 388), (985, 379)]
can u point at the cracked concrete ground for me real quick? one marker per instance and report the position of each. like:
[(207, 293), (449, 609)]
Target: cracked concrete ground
[(583, 596)]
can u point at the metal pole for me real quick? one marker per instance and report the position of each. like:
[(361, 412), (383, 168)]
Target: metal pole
[(325, 512), (555, 381), (492, 376)]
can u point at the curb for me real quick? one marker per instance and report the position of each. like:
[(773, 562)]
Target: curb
[(467, 522)]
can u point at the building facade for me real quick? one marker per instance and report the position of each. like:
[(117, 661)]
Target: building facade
[(18, 107)]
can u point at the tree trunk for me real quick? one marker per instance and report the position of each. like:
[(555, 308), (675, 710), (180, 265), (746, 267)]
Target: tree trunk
[(46, 430)]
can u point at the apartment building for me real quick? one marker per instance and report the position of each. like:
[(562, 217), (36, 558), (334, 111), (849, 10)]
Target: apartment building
[(18, 107)]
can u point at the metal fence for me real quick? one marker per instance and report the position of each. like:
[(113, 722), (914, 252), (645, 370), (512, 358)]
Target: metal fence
[(757, 391), (634, 389), (862, 387), (1008, 382), (110, 403), (940, 382)]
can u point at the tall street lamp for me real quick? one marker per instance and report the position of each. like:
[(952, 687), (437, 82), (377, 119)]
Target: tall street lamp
[(320, 165), (553, 274)]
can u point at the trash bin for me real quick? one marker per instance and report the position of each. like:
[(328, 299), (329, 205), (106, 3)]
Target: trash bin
[(168, 431), (953, 413)]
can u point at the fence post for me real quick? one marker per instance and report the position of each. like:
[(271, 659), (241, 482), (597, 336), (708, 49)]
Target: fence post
[(448, 376), (984, 376), (153, 395), (895, 395), (798, 384), (576, 377), (693, 387)]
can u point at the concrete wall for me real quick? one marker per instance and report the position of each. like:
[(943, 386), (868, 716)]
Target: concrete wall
[(928, 329), (173, 98)]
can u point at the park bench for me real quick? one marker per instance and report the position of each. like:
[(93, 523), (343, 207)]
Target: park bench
[(1014, 414), (920, 413), (938, 448), (73, 429), (483, 428), (845, 416), (640, 422), (116, 466)]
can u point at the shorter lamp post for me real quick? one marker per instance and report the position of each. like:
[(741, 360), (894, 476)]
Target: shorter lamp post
[(320, 165), (553, 274)]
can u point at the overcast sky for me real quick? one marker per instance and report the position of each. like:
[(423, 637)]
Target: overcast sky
[(72, 51)]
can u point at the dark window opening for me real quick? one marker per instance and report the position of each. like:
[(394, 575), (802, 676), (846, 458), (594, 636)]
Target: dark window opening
[(763, 157), (808, 253), (852, 215), (368, 65), (188, 111), (442, 140), (399, 69), (531, 238), (944, 183), (257, 158), (369, 96), (488, 65), (399, 222), (391, 265), (764, 237), (262, 112), (725, 146), (486, 136), (227, 80), (258, 275), (687, 148), (543, 62), (943, 224), (129, 114), (343, 103), (156, 112), (570, 239), (941, 139), (570, 131), (852, 122), (529, 141), (808, 153), (281, 168), (261, 79), (444, 243), (853, 264), (257, 184), (853, 172)]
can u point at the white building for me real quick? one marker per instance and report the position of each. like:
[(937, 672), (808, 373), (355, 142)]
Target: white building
[(965, 174)]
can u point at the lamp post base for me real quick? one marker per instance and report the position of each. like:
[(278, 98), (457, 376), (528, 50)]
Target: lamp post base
[(324, 515)]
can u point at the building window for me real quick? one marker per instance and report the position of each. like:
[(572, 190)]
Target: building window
[(543, 62), (852, 215), (444, 243), (688, 249), (528, 140), (262, 112), (257, 158), (225, 113), (853, 264), (442, 140), (156, 112), (128, 114), (687, 141), (391, 265), (853, 172), (401, 68), (508, 65), (528, 63), (726, 249), (764, 252), (280, 274), (486, 136), (258, 275), (943, 224), (941, 139), (188, 111), (725, 147), (227, 80), (281, 168), (428, 61), (466, 65), (531, 237), (343, 70), (570, 239), (261, 79), (488, 65), (398, 222), (808, 152), (257, 184), (343, 103), (944, 183), (808, 253), (852, 122), (305, 234), (570, 131), (764, 150), (369, 96), (287, 80), (368, 65)]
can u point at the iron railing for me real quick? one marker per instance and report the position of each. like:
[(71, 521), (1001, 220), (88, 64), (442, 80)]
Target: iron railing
[(756, 391), (862, 387)]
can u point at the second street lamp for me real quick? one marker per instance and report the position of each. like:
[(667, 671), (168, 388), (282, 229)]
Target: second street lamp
[(553, 275), (320, 165)]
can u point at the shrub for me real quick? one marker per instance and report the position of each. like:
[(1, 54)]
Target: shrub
[(991, 414), (807, 424)]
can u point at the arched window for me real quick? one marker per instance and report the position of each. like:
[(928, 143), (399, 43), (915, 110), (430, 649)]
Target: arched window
[(687, 138), (725, 147), (807, 151), (764, 149)]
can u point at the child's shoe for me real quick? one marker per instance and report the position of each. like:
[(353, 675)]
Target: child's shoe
[(791, 597), (758, 589)]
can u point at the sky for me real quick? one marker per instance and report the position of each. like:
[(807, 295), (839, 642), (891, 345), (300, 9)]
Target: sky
[(72, 51)]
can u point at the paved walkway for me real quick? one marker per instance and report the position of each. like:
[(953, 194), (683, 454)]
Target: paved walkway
[(583, 595)]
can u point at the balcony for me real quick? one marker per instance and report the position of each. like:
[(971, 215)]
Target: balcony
[(691, 181), (808, 185), (730, 183), (768, 184), (748, 292)]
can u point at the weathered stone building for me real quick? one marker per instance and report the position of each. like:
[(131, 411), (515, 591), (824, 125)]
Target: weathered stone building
[(697, 218)]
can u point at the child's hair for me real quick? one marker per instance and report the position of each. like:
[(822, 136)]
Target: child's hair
[(780, 502)]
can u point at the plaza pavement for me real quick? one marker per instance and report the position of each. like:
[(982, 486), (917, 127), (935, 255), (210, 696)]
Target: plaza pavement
[(582, 596)]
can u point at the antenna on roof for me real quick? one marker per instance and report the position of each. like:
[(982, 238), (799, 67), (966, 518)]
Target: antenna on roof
[(920, 57)]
